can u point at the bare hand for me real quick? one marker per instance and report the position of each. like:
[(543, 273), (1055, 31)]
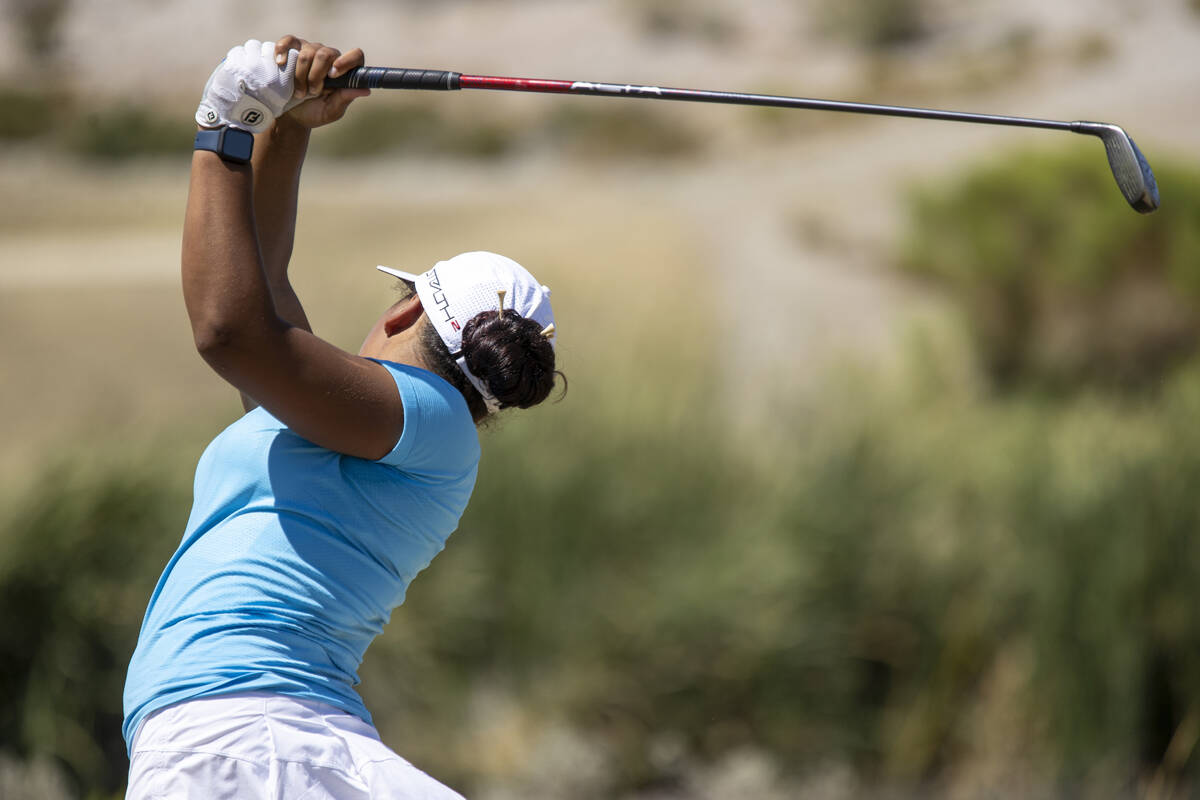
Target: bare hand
[(320, 106)]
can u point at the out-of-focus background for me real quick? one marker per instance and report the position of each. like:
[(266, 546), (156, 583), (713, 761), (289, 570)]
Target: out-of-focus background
[(877, 475)]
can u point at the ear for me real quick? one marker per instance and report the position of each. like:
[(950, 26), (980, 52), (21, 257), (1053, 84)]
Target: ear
[(402, 316)]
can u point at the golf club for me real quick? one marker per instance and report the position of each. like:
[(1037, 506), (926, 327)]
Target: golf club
[(1128, 165)]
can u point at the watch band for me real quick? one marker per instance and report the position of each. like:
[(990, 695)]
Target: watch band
[(231, 144)]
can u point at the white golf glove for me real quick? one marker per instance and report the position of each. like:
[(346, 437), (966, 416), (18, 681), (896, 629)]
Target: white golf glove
[(248, 89)]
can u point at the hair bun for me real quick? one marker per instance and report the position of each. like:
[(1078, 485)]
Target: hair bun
[(508, 353)]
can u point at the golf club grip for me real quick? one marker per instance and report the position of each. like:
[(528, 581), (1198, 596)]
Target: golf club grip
[(389, 78)]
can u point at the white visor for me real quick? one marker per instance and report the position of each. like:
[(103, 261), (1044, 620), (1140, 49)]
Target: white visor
[(454, 291)]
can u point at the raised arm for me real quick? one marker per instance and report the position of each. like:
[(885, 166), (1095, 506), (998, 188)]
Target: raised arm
[(249, 331), (278, 158)]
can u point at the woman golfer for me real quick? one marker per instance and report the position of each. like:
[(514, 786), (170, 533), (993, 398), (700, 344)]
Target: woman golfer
[(314, 511)]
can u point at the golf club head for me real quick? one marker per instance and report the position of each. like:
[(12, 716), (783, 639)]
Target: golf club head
[(1128, 165)]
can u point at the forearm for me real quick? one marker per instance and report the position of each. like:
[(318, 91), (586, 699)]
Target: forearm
[(225, 287), (278, 158)]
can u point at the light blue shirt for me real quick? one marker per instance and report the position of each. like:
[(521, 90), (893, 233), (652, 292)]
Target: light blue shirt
[(294, 556)]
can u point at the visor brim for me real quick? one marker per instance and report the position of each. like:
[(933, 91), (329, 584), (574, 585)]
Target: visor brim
[(395, 273)]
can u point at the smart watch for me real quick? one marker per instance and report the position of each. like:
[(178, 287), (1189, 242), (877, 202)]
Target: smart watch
[(231, 144)]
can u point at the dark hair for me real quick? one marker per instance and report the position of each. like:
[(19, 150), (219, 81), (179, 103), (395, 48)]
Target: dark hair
[(506, 353)]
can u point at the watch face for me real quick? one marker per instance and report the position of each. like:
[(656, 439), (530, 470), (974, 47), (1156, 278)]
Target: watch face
[(237, 144)]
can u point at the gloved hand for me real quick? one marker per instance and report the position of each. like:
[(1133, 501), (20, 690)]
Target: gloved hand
[(249, 89)]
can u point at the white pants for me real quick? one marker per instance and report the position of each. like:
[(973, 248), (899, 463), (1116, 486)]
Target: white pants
[(259, 746)]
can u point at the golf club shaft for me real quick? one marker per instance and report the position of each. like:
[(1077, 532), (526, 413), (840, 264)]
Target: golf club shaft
[(389, 78), (1133, 175)]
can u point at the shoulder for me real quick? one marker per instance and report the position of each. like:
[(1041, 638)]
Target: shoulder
[(438, 428)]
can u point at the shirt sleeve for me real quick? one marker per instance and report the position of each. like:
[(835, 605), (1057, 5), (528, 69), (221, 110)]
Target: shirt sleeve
[(439, 439)]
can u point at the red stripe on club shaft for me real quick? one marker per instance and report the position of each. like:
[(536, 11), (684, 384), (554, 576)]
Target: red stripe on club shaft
[(513, 84)]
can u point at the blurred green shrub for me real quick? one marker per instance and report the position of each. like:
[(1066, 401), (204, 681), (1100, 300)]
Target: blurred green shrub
[(27, 114), (124, 132), (667, 19), (1092, 48), (78, 559), (415, 128), (616, 130), (57, 120), (620, 130), (877, 24), (38, 22), (789, 123), (1061, 284)]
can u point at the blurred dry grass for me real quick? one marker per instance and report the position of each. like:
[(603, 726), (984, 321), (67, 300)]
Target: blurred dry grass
[(94, 339)]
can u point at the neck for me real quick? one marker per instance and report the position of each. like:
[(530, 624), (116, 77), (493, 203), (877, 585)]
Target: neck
[(400, 349)]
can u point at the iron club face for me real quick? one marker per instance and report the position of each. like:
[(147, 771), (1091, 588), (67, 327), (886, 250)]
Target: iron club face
[(1129, 166)]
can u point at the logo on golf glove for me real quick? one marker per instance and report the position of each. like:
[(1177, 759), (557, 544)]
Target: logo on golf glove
[(248, 89)]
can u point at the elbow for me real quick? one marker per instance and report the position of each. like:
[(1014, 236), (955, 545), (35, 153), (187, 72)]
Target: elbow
[(215, 337), (222, 340)]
